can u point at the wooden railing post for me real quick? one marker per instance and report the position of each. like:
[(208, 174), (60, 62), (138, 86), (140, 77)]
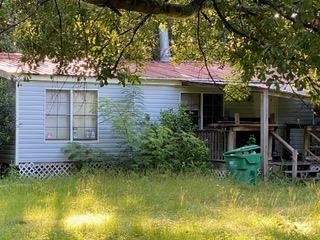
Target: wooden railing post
[(294, 154), (306, 142), (294, 165), (231, 139), (264, 130)]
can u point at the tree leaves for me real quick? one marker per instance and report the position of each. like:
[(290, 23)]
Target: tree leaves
[(251, 36)]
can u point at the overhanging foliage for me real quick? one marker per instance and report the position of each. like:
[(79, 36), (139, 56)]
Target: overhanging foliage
[(273, 41)]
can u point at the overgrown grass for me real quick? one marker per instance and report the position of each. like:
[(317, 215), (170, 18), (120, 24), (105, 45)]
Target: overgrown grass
[(127, 206)]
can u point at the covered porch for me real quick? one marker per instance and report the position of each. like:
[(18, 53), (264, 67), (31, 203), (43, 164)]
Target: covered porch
[(223, 137), (281, 148)]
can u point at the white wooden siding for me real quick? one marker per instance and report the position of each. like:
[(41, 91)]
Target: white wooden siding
[(32, 147), (295, 111)]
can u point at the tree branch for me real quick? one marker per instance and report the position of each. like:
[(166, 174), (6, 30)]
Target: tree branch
[(151, 6), (230, 27), (135, 30), (28, 16), (313, 25)]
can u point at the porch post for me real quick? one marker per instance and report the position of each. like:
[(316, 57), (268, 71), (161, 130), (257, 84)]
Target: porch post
[(264, 132), (231, 139)]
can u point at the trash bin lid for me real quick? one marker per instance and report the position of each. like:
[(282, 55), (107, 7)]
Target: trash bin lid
[(242, 149)]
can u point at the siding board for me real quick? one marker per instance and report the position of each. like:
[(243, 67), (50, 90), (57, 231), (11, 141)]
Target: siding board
[(293, 111), (33, 147)]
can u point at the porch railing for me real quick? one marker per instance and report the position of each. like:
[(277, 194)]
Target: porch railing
[(312, 143), (217, 142), (293, 152)]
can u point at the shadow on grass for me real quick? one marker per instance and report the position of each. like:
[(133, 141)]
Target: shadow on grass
[(20, 203), (276, 233), (58, 231)]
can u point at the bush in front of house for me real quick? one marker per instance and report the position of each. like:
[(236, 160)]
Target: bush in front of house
[(171, 145), (7, 118), (167, 145), (83, 156)]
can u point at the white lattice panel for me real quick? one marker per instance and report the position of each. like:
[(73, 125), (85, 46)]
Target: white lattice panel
[(100, 165), (45, 170), (221, 173)]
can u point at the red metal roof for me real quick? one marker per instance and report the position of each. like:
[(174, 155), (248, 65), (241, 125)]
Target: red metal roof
[(11, 64), (186, 72)]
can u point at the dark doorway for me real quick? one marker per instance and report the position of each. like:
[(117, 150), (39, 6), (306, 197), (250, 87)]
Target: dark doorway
[(243, 138), (212, 108)]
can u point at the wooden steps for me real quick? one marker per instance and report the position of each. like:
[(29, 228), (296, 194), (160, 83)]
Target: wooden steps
[(313, 159), (305, 174), (305, 169)]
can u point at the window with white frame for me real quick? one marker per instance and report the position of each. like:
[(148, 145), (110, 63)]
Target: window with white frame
[(192, 103), (71, 115)]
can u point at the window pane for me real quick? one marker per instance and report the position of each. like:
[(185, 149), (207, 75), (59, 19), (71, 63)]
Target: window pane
[(91, 121), (51, 133), (57, 120), (191, 101), (90, 109), (58, 108), (78, 109), (63, 122), (84, 109), (63, 133), (57, 96), (57, 134), (51, 121), (85, 96), (192, 104), (78, 121), (85, 115)]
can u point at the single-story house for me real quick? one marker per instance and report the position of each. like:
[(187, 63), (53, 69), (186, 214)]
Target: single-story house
[(52, 111)]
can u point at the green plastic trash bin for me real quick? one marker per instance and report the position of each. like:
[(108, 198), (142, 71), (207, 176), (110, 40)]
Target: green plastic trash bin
[(244, 163)]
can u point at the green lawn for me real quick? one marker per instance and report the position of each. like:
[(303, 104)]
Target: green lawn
[(113, 206)]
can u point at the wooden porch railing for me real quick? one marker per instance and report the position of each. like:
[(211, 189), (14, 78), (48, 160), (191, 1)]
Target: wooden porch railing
[(312, 143), (293, 152), (217, 142)]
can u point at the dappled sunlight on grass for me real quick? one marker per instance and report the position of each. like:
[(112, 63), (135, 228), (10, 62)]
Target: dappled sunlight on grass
[(158, 207), (227, 223), (40, 216), (234, 222), (89, 219)]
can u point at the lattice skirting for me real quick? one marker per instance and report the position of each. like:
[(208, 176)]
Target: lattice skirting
[(46, 170), (224, 173), (221, 173)]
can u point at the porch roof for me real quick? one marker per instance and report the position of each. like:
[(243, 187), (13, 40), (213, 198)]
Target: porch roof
[(189, 73)]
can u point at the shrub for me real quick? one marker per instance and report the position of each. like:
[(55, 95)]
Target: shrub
[(167, 145), (82, 155), (177, 121), (165, 150), (127, 119), (171, 145), (7, 119)]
